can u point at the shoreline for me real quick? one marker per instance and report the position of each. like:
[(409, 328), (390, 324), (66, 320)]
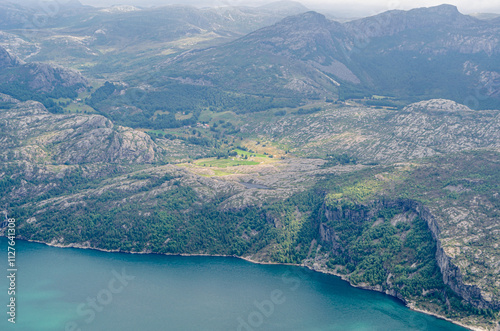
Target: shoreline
[(409, 305)]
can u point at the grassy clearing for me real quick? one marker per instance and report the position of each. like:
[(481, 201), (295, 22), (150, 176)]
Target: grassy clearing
[(189, 42), (180, 116), (211, 116), (221, 173), (152, 131), (262, 146), (223, 163), (160, 112)]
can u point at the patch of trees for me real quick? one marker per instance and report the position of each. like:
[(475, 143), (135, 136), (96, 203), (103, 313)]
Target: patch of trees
[(200, 141), (347, 91), (339, 159), (101, 94)]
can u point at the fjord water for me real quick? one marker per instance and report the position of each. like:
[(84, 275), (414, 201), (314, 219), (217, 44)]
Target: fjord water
[(74, 289)]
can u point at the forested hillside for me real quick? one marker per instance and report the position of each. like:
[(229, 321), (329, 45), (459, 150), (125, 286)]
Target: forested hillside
[(369, 149)]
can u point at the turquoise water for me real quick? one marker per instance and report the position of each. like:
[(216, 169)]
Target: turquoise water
[(72, 289)]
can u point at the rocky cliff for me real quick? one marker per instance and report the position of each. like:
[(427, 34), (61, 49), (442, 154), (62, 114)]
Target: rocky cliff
[(7, 60), (411, 210), (452, 275)]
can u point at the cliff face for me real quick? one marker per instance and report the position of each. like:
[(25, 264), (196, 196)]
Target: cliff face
[(451, 274)]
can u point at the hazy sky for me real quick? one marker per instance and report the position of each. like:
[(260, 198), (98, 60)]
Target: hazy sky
[(360, 7)]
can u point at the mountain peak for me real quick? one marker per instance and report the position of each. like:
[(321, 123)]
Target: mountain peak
[(285, 6), (310, 17), (395, 21), (441, 13), (444, 8), (313, 15)]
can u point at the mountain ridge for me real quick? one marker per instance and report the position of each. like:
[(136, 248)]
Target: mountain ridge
[(355, 55)]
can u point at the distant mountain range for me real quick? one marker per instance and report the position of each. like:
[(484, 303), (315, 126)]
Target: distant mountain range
[(412, 55), (125, 38), (409, 56)]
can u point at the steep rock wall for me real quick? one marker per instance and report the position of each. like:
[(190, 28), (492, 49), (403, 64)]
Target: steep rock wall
[(451, 273)]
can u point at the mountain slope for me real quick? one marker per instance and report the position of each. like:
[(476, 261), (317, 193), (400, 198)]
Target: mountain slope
[(29, 14), (416, 55), (282, 58), (37, 81), (272, 161), (423, 129), (30, 133)]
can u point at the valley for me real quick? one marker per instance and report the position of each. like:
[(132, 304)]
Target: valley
[(268, 134)]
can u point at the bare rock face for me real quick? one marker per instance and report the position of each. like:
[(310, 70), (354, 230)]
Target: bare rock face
[(71, 139), (45, 76), (437, 105), (41, 77), (7, 60), (7, 99), (422, 129)]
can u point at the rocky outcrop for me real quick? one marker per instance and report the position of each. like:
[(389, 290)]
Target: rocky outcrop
[(70, 139), (7, 98), (45, 76), (41, 77), (422, 129), (7, 60), (437, 105)]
